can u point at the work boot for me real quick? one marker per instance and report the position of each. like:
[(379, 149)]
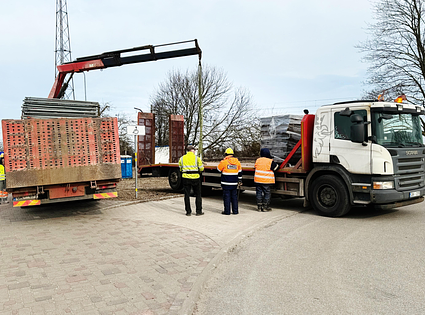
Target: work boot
[(259, 207), (267, 208)]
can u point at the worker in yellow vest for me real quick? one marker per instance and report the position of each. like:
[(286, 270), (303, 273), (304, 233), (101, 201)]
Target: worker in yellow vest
[(264, 179), (3, 193), (191, 167)]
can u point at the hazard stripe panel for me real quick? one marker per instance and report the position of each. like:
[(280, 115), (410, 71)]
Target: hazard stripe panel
[(26, 203), (105, 195)]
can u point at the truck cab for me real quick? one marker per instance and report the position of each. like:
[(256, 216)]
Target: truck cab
[(373, 150)]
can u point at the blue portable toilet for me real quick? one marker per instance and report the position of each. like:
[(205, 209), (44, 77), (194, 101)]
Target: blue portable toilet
[(126, 166)]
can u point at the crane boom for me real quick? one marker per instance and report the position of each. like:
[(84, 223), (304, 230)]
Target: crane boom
[(115, 59)]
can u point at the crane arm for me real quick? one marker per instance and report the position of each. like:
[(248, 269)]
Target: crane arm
[(116, 59)]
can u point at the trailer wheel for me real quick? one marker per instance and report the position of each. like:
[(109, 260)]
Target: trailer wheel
[(175, 179), (329, 197)]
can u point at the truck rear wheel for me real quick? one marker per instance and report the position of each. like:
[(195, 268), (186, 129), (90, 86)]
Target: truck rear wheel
[(175, 179), (329, 197)]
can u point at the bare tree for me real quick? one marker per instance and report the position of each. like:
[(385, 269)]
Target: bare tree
[(126, 141), (228, 115), (126, 144), (396, 50)]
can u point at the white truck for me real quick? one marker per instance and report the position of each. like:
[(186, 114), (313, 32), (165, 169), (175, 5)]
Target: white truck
[(366, 152), (352, 153)]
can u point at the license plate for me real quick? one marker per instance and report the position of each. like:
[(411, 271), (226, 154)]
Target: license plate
[(415, 194)]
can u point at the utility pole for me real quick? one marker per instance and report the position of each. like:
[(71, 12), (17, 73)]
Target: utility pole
[(63, 43)]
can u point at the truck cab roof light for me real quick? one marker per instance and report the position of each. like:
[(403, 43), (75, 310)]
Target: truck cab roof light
[(400, 107), (400, 99)]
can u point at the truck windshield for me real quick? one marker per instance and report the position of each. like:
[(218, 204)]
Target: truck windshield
[(396, 129)]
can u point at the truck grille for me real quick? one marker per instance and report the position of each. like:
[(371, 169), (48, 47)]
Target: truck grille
[(409, 168)]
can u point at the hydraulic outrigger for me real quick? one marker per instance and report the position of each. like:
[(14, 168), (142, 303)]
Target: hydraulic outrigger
[(115, 59)]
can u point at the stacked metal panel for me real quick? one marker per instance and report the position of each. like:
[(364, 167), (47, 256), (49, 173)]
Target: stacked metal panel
[(280, 134), (58, 108)]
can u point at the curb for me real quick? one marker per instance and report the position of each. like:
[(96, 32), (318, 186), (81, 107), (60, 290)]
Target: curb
[(130, 203)]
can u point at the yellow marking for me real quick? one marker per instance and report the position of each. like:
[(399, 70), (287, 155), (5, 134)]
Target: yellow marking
[(105, 195)]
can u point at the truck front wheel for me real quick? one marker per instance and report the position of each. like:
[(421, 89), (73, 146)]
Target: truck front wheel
[(175, 179), (329, 197)]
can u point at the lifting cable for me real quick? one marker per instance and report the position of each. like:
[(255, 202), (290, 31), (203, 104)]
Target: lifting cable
[(201, 120)]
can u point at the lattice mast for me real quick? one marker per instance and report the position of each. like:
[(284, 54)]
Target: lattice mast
[(63, 43)]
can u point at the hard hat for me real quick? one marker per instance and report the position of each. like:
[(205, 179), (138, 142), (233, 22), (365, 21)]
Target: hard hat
[(228, 151)]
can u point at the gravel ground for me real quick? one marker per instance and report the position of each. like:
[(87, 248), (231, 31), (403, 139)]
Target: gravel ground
[(148, 189)]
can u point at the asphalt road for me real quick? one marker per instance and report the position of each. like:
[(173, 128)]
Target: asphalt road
[(369, 262)]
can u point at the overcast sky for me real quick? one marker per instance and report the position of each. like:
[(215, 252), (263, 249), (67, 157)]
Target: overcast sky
[(289, 54)]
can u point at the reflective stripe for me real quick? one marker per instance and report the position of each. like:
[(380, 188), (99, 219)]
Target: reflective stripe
[(228, 173), (227, 183), (105, 195), (261, 176), (26, 203), (264, 172)]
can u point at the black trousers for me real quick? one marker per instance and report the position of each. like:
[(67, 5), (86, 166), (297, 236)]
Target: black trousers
[(195, 185), (230, 197)]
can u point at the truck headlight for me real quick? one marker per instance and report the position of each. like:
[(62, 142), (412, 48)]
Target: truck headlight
[(383, 185)]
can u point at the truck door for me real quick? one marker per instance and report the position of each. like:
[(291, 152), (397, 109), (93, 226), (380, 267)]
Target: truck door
[(355, 157)]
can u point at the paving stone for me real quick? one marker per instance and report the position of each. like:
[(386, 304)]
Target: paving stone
[(86, 258), (18, 285)]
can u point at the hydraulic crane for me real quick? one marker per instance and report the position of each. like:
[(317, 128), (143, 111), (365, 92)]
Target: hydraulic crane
[(115, 59)]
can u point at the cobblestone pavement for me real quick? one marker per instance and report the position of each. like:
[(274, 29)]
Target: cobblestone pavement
[(108, 257)]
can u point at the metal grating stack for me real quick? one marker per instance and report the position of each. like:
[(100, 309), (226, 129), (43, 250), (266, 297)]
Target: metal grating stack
[(280, 134), (58, 108)]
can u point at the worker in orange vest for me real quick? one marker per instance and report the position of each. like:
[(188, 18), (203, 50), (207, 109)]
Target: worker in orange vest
[(264, 179), (231, 177)]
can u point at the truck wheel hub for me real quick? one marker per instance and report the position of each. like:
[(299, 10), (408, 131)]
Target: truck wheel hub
[(327, 196)]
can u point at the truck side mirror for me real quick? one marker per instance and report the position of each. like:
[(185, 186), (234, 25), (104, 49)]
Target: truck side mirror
[(357, 128), (346, 112)]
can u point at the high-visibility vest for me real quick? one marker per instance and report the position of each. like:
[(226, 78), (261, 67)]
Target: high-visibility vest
[(2, 174), (231, 171), (190, 166), (263, 173)]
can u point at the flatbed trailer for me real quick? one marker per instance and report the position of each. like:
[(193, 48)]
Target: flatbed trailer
[(291, 186)]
